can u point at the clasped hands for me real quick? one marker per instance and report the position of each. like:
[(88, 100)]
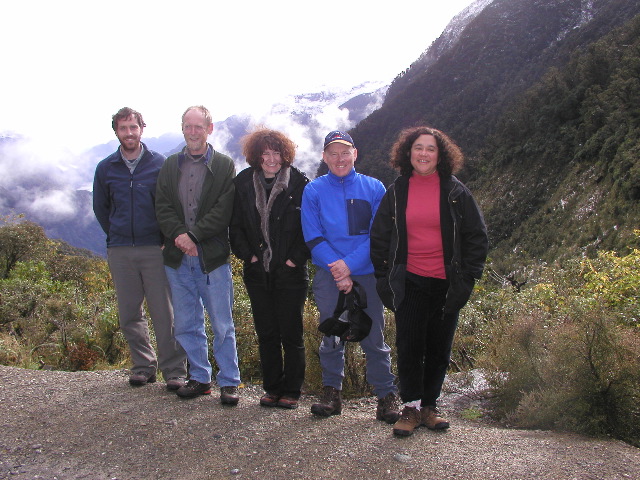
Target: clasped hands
[(342, 275), (184, 243)]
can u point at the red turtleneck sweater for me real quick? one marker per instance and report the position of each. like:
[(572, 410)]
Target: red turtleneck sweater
[(424, 237)]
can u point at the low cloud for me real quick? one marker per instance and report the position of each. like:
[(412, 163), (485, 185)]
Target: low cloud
[(39, 181)]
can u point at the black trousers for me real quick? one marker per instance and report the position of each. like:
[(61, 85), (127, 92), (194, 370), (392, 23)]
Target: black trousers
[(277, 316), (424, 336)]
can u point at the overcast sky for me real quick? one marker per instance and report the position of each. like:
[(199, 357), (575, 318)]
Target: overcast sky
[(69, 65)]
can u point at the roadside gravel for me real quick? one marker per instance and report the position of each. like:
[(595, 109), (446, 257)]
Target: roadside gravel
[(93, 425)]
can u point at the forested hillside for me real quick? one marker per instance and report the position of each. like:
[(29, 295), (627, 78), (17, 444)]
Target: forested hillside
[(542, 96)]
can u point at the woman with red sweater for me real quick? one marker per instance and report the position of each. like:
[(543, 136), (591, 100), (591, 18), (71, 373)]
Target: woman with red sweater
[(428, 246)]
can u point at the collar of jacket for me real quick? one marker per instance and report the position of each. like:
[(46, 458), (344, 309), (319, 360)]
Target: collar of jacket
[(208, 155), (117, 156), (348, 179)]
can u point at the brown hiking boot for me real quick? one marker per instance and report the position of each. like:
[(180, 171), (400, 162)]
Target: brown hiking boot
[(388, 408), (432, 420), (409, 421), (330, 403)]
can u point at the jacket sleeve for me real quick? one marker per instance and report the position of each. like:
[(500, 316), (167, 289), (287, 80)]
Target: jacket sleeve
[(320, 249), (474, 242), (237, 234), (381, 232), (216, 221), (101, 199), (169, 219)]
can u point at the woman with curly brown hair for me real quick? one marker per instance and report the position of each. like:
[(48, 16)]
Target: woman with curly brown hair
[(266, 234), (428, 246)]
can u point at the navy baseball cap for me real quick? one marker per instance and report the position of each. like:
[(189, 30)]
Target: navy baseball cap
[(338, 137)]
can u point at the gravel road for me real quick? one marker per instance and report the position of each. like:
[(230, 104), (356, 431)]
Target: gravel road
[(93, 425)]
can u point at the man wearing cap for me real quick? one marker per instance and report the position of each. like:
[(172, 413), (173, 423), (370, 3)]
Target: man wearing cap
[(124, 190), (337, 212)]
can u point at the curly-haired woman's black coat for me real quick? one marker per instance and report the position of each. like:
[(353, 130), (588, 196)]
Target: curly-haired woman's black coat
[(464, 242), (285, 232)]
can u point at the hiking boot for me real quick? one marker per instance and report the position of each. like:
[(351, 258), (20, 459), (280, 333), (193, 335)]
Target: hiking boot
[(388, 408), (288, 402), (193, 388), (330, 403), (409, 420), (269, 400), (432, 420), (138, 379), (174, 383), (229, 395)]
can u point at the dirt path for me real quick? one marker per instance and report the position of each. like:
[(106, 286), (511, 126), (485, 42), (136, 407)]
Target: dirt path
[(93, 425)]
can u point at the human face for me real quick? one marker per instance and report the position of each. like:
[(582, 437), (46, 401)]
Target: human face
[(129, 132), (424, 155), (196, 131), (340, 158), (271, 162)]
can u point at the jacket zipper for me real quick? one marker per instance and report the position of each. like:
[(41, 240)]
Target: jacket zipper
[(133, 238)]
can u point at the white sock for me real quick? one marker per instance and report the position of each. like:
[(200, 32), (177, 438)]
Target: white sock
[(415, 404)]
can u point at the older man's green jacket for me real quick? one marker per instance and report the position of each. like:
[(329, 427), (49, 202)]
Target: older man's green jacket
[(215, 207)]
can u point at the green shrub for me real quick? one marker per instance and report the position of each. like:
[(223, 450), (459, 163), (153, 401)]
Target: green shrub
[(565, 351)]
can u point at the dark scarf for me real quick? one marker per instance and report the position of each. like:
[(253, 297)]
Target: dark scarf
[(264, 206)]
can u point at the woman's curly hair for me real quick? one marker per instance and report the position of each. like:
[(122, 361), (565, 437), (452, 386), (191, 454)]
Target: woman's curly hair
[(255, 143), (450, 157)]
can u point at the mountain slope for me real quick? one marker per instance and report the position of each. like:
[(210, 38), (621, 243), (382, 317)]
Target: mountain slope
[(494, 68)]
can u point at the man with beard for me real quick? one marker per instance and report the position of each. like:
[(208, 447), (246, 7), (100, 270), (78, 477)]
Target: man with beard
[(124, 204)]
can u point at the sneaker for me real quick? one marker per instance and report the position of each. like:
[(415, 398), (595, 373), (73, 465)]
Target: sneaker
[(193, 388), (288, 402), (432, 420), (138, 379), (388, 408), (174, 383), (409, 420), (330, 403), (269, 400), (229, 395)]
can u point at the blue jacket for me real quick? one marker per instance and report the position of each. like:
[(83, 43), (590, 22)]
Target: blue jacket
[(124, 202), (337, 213)]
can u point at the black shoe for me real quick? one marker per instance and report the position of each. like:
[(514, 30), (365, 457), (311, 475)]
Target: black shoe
[(229, 395), (330, 403), (193, 388), (388, 408), (174, 383), (138, 379)]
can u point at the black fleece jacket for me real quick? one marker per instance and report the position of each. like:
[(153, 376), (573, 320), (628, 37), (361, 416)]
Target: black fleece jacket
[(464, 242)]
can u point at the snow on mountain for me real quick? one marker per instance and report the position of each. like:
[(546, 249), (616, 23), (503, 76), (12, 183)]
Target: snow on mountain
[(305, 118)]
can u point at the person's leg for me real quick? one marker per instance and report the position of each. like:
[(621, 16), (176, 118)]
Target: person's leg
[(331, 348), (411, 327), (376, 350), (188, 317), (441, 328), (263, 307), (130, 293), (290, 307), (171, 356), (216, 290)]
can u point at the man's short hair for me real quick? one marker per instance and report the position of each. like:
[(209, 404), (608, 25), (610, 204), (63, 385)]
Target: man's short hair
[(207, 115), (123, 114)]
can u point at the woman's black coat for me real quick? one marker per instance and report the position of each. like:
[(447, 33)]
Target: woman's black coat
[(285, 230)]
